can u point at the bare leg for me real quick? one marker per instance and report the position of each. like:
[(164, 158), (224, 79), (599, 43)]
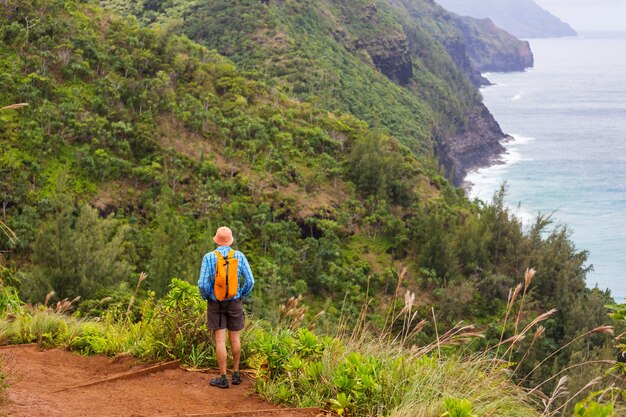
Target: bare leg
[(220, 349), (235, 347)]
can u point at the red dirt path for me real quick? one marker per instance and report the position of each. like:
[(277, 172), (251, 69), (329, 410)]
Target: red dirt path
[(35, 375)]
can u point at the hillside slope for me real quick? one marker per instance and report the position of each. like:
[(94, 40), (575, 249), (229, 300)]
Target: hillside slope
[(354, 56), (325, 51), (367, 58)]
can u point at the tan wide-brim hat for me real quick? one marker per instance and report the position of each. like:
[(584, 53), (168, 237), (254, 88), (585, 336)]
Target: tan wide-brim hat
[(223, 236)]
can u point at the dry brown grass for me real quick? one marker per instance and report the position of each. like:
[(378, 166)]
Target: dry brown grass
[(10, 234), (14, 106), (498, 357), (292, 314), (276, 40), (62, 306), (118, 193)]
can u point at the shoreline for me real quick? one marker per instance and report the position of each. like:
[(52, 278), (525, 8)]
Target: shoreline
[(494, 160), (491, 159), (482, 181)]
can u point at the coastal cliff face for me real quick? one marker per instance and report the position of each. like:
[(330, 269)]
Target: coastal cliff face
[(475, 45), (475, 146), (492, 49)]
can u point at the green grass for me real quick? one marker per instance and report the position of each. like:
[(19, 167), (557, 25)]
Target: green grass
[(375, 377), (355, 374)]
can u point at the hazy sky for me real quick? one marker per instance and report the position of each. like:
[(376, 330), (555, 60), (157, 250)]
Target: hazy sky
[(589, 15)]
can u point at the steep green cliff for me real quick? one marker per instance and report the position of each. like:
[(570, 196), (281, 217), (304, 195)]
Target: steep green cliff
[(380, 61)]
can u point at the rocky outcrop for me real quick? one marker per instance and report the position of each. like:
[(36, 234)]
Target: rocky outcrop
[(391, 56), (477, 145), (439, 23), (483, 47)]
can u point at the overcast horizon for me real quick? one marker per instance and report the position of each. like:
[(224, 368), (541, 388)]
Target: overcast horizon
[(589, 15)]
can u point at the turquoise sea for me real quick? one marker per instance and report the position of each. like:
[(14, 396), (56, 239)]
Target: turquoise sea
[(568, 118)]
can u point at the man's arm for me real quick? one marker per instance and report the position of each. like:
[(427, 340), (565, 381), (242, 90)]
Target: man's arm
[(248, 278), (207, 276)]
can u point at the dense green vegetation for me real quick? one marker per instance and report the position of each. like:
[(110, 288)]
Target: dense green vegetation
[(328, 52), (405, 66), (138, 143)]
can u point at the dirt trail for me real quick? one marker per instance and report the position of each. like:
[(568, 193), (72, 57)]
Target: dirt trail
[(37, 377)]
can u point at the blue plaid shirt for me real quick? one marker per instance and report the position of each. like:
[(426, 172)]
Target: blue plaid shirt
[(207, 274)]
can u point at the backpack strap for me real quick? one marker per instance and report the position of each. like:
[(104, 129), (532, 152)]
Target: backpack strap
[(229, 255)]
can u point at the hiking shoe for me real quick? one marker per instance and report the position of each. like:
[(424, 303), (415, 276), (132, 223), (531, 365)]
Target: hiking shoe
[(236, 380), (220, 382)]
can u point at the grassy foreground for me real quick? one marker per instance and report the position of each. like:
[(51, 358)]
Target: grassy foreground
[(355, 375)]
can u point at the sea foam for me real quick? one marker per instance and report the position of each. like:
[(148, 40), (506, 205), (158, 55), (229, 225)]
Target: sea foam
[(482, 182)]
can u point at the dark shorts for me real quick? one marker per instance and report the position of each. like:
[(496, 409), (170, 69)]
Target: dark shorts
[(225, 315)]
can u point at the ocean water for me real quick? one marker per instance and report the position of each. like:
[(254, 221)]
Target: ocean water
[(568, 159)]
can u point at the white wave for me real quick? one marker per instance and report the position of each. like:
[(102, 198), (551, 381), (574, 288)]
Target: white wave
[(510, 157), (493, 85), (521, 140), (516, 97), (483, 182)]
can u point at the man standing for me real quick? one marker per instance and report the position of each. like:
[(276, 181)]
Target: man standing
[(220, 275)]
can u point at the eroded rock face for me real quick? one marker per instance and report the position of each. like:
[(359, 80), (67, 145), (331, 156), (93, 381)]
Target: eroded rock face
[(477, 145), (391, 56)]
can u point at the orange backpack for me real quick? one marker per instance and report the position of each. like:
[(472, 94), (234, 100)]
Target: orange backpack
[(226, 276)]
